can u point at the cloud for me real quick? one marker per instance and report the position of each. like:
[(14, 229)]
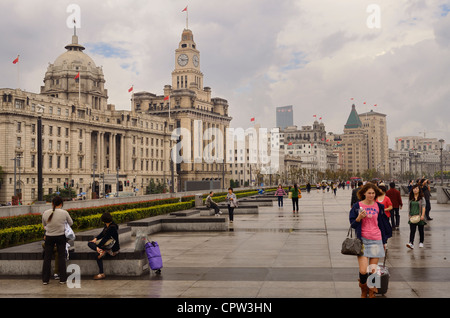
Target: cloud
[(257, 54)]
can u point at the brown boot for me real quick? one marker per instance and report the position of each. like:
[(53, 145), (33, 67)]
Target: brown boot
[(372, 292), (364, 289)]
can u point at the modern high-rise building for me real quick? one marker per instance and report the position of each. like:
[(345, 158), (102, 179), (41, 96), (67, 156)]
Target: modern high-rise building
[(285, 117)]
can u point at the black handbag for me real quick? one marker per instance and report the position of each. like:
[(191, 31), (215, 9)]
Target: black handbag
[(352, 246)]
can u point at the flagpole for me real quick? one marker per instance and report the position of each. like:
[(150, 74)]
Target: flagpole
[(79, 90), (169, 108), (18, 73)]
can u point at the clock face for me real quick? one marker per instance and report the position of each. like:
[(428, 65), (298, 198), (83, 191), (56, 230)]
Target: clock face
[(195, 60), (183, 59)]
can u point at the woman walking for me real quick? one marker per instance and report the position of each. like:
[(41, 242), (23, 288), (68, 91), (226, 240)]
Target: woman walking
[(232, 203), (279, 193), (416, 208), (296, 193), (372, 226), (54, 221), (108, 242)]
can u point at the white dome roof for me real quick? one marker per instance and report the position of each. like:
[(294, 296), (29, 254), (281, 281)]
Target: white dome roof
[(74, 57)]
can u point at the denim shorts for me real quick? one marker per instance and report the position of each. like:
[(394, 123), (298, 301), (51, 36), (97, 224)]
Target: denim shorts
[(373, 248)]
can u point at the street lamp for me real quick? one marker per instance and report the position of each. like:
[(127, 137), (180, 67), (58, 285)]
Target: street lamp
[(40, 111), (441, 141)]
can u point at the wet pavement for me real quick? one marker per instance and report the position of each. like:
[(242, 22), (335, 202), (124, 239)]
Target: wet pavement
[(274, 254)]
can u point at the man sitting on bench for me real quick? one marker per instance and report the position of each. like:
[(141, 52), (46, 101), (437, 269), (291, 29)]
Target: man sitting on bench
[(211, 204)]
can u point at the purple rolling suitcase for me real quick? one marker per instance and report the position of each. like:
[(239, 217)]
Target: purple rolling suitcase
[(154, 256)]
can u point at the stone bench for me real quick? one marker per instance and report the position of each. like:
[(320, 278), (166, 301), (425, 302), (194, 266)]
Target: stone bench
[(201, 223), (27, 259), (241, 209)]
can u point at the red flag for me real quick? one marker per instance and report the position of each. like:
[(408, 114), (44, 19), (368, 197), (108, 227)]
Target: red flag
[(185, 9), (290, 144), (314, 115), (16, 60), (252, 119), (167, 97), (130, 89), (351, 98), (78, 75), (320, 118), (375, 105)]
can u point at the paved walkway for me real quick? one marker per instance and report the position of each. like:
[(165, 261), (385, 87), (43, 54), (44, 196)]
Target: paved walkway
[(273, 254)]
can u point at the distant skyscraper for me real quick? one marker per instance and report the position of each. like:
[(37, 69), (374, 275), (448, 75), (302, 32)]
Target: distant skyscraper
[(285, 116)]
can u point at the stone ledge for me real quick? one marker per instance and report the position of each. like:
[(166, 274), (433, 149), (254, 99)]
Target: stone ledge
[(27, 259)]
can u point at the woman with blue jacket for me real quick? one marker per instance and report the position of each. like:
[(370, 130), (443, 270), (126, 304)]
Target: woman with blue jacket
[(372, 226)]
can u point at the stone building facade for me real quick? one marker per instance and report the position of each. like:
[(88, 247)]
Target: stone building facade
[(192, 110), (87, 143)]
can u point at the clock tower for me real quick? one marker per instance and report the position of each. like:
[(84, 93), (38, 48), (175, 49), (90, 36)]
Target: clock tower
[(187, 74)]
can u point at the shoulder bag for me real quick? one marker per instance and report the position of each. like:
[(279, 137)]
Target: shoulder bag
[(352, 246)]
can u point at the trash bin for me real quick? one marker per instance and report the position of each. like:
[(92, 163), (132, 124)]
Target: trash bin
[(198, 200)]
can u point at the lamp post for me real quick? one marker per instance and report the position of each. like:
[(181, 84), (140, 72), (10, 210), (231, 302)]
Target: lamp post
[(441, 141), (40, 111)]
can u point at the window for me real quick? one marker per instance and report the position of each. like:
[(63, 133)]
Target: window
[(50, 161), (19, 142)]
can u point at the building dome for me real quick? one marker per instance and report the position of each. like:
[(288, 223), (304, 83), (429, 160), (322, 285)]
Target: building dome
[(74, 58), (74, 76)]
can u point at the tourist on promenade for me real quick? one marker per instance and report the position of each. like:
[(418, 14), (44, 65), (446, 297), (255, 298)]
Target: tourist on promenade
[(279, 193), (355, 193), (397, 204), (209, 202), (416, 206), (232, 203), (372, 226), (106, 242), (296, 194), (308, 187), (334, 188), (427, 196), (54, 221), (385, 200), (410, 185)]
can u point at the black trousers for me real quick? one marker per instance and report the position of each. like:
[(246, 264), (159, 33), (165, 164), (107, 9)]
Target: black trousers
[(50, 242), (427, 209), (294, 204), (93, 246), (215, 207), (412, 232), (230, 212), (395, 217)]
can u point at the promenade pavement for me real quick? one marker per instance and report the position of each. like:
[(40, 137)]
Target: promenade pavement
[(274, 254)]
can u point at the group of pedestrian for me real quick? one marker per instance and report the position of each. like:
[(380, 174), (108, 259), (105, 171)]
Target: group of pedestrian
[(294, 193), (230, 199), (55, 221), (372, 207)]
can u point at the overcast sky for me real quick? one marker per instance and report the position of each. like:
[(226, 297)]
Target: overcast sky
[(258, 54)]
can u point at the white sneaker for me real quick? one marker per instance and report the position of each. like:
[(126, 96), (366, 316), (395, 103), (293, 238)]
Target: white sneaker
[(220, 212), (420, 244), (410, 245)]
